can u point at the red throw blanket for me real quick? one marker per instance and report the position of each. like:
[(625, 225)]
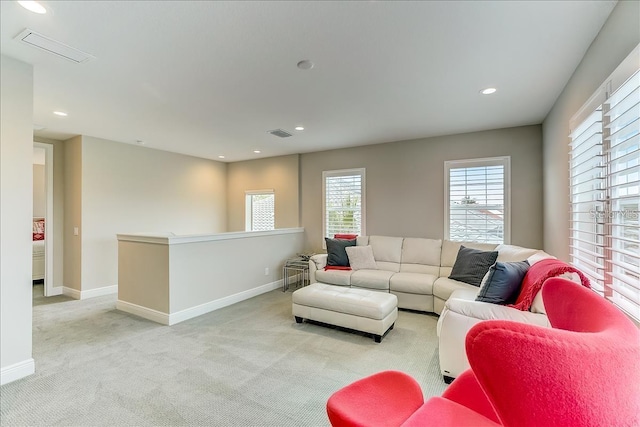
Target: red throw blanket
[(537, 274), (337, 267)]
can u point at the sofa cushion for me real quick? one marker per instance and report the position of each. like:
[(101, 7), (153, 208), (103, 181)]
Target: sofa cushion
[(443, 287), (356, 302), (337, 256), (421, 251), (361, 258), (412, 283), (472, 264), (334, 277), (387, 251), (502, 282), (512, 253), (371, 279)]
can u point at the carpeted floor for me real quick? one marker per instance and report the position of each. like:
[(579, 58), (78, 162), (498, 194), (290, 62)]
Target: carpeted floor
[(248, 364)]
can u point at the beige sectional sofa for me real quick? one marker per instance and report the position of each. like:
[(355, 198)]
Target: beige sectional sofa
[(416, 270)]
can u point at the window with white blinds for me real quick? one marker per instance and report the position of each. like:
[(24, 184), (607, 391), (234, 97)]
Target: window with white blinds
[(343, 201), (260, 210), (477, 204), (605, 196)]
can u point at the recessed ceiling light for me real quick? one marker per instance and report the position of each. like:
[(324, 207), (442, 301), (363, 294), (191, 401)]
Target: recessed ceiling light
[(299, 127), (221, 157), (305, 64), (257, 151), (33, 6), (488, 91), (60, 113)]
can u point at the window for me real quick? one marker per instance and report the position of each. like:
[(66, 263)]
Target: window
[(605, 192), (260, 210), (343, 197), (477, 200)]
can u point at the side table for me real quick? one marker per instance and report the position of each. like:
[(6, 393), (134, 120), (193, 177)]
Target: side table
[(295, 271)]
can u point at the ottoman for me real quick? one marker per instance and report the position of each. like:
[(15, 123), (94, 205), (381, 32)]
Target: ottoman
[(359, 309)]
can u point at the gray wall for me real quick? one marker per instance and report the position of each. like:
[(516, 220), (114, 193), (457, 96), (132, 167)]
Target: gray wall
[(277, 173), (617, 38), (111, 188), (405, 182), (16, 211)]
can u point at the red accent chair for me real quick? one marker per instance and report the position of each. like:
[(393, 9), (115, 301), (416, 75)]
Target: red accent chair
[(583, 372)]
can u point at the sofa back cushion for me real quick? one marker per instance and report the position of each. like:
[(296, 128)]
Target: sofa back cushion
[(362, 240), (387, 252), (450, 253), (512, 253), (421, 256)]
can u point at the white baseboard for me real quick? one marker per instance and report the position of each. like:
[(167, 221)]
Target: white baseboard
[(56, 290), (91, 293), (17, 370), (199, 310), (144, 312), (70, 292)]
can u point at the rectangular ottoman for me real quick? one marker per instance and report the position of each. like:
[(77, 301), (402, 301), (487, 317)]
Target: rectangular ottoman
[(359, 309)]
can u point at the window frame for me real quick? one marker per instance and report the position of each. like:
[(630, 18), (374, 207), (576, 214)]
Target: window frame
[(609, 280), (248, 209), (344, 172), (505, 162)]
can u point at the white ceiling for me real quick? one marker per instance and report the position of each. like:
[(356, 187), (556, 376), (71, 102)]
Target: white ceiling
[(211, 78)]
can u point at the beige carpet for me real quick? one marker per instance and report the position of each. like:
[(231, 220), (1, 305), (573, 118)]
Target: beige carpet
[(249, 364)]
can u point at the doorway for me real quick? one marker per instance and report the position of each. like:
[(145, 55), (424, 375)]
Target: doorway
[(43, 154)]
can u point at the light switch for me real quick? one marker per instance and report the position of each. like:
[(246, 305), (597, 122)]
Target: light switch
[(75, 231)]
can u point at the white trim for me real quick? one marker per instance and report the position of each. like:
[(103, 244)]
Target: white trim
[(90, 293), (199, 310), (17, 370), (70, 292), (258, 192), (48, 218), (177, 240), (248, 206), (612, 83), (144, 312), (363, 200), (505, 161)]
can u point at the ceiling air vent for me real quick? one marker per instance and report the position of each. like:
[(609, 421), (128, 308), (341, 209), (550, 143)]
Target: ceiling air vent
[(280, 133), (34, 39)]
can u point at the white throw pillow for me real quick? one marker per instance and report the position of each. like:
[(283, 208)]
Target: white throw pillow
[(361, 257)]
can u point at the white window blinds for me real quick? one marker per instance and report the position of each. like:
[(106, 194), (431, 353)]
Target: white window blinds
[(587, 181), (605, 196), (343, 202), (622, 142), (477, 203)]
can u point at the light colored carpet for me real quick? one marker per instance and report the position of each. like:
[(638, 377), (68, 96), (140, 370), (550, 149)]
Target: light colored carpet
[(248, 364)]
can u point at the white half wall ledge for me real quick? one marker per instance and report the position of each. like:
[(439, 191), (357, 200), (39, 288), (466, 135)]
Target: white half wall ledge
[(164, 238), (17, 371), (90, 293), (190, 313)]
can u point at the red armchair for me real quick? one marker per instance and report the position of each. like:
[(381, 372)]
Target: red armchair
[(583, 372)]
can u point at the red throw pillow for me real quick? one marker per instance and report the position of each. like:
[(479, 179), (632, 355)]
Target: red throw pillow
[(345, 236)]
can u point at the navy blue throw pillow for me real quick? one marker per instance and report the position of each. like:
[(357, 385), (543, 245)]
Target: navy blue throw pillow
[(503, 282)]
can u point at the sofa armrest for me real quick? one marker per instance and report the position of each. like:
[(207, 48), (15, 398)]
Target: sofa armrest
[(316, 262), (487, 311)]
